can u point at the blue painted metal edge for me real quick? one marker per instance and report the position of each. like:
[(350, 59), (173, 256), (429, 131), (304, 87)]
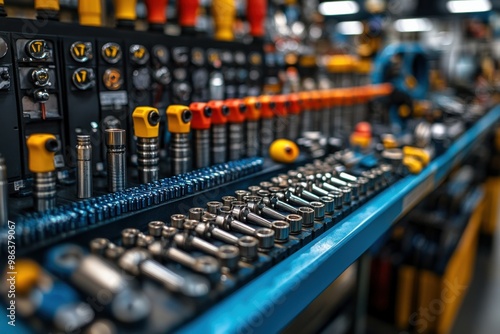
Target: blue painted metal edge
[(271, 301)]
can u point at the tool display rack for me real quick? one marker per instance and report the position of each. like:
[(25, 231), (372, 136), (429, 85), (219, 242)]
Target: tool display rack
[(273, 299)]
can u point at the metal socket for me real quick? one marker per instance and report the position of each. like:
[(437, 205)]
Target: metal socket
[(129, 237), (295, 222), (228, 200), (254, 189), (307, 214), (196, 213), (240, 194), (338, 199), (177, 220), (281, 231), (347, 191), (329, 203), (319, 210), (98, 246), (155, 228), (265, 237), (229, 256), (214, 207), (248, 248)]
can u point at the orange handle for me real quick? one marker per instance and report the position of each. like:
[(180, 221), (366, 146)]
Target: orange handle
[(220, 112), (202, 116)]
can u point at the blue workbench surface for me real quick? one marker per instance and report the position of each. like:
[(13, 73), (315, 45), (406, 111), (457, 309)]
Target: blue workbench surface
[(272, 300)]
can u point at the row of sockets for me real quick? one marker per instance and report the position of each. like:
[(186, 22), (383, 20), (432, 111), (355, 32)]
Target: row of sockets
[(35, 227), (265, 223)]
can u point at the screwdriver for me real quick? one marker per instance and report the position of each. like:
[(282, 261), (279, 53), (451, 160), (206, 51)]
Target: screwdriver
[(125, 13), (157, 14), (90, 13), (224, 13), (42, 148), (47, 9), (188, 11)]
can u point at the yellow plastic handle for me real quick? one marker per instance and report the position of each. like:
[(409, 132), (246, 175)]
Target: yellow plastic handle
[(125, 10), (42, 148), (146, 122), (90, 12), (413, 164), (418, 153), (179, 119), (224, 12), (47, 5), (28, 273), (284, 151)]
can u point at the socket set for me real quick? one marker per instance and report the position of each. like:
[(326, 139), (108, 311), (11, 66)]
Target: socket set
[(165, 266)]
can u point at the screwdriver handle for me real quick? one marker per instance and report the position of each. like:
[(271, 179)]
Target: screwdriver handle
[(256, 15), (90, 12), (157, 14), (47, 9), (125, 12), (188, 11), (224, 12)]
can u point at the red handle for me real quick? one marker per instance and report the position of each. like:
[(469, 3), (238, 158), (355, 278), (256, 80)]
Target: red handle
[(157, 11), (188, 11), (256, 15)]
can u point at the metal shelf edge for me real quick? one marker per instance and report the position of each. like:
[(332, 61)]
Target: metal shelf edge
[(296, 281)]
